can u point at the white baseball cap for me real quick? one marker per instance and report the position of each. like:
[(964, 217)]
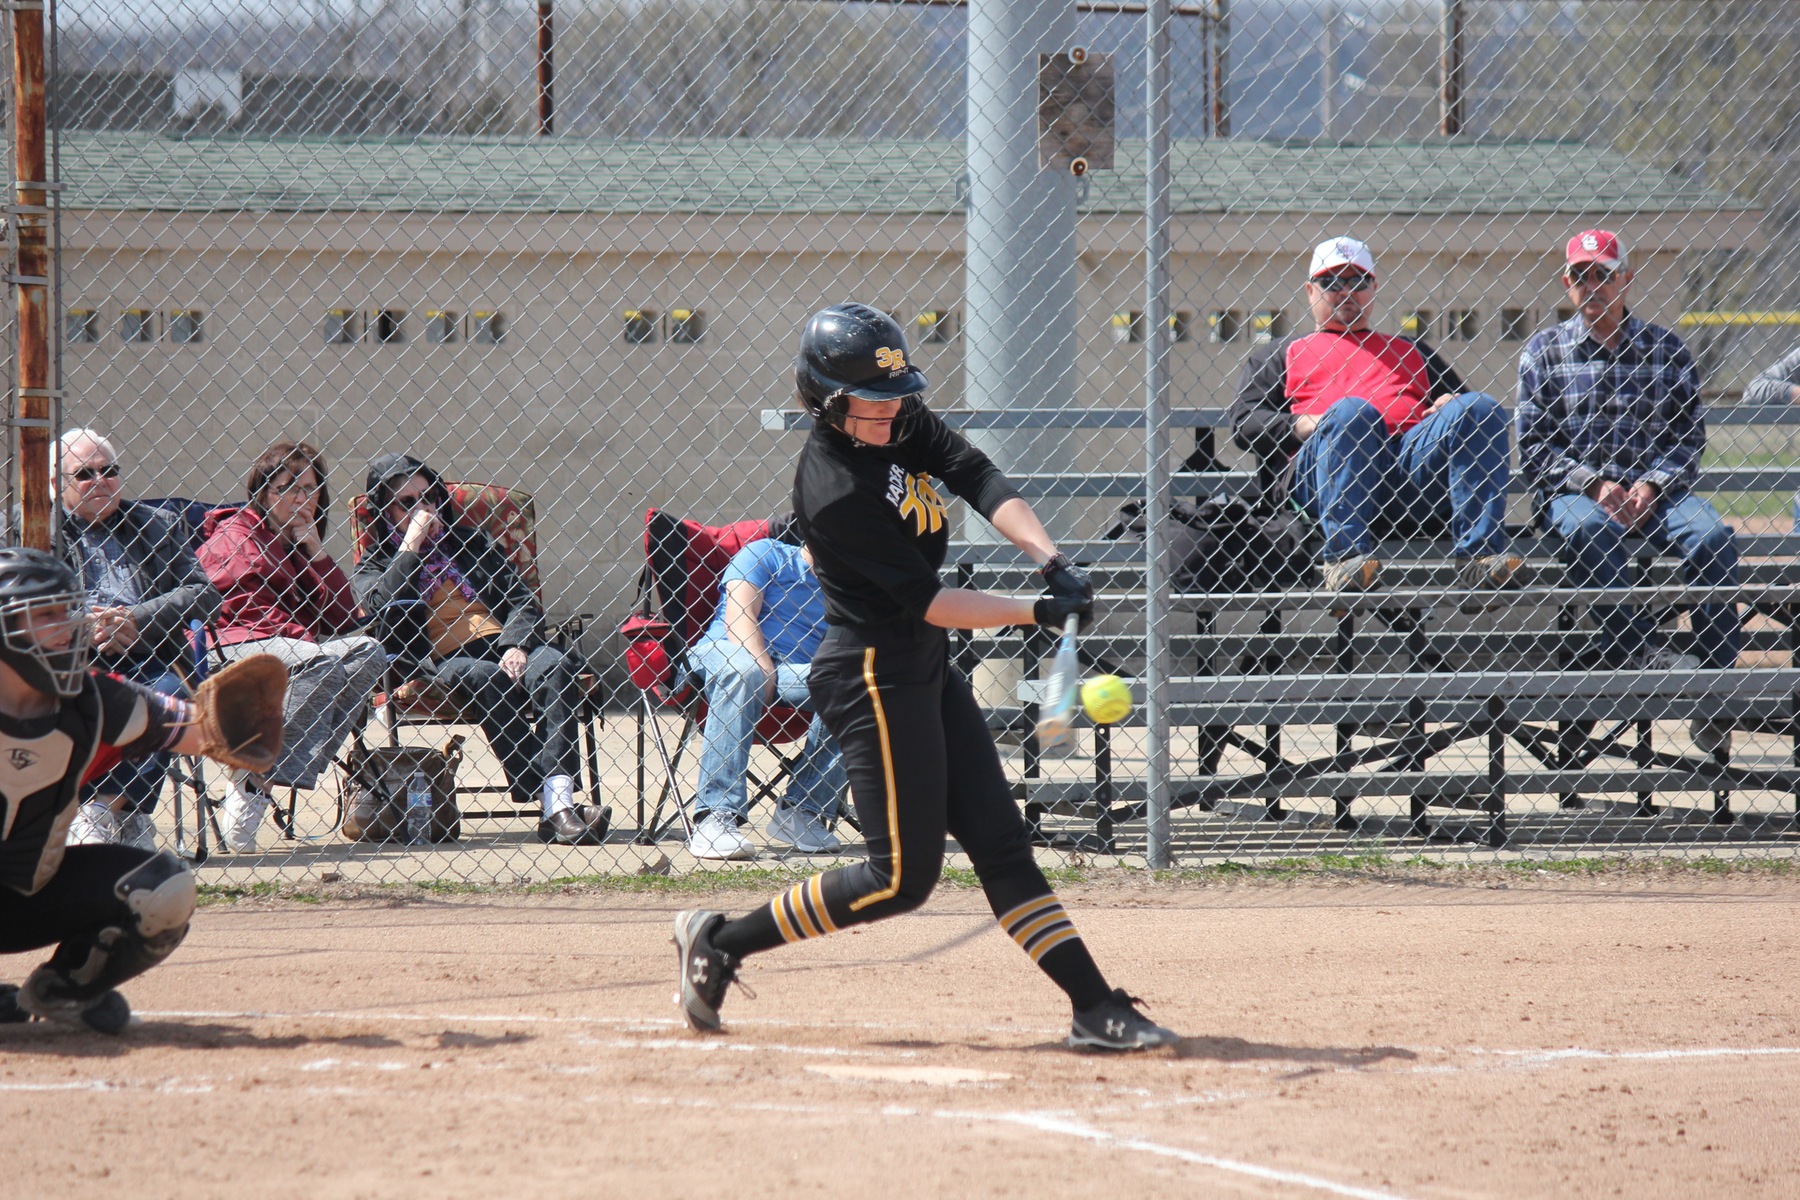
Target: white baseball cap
[(1341, 252)]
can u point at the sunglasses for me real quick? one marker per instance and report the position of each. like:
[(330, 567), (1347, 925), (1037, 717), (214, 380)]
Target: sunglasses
[(1590, 276), (1344, 283), (89, 474)]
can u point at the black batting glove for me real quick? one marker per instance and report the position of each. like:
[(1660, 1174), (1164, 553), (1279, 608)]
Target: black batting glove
[(1071, 594), (1052, 611), (1064, 579)]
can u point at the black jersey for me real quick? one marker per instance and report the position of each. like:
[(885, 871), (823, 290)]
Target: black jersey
[(874, 521), (42, 760)]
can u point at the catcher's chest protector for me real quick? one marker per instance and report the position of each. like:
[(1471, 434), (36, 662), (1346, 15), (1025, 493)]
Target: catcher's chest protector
[(41, 764)]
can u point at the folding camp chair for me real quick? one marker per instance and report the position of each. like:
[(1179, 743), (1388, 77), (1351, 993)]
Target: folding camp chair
[(509, 517), (678, 593)]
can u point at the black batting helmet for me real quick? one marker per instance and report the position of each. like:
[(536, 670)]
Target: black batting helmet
[(854, 350), (33, 579)]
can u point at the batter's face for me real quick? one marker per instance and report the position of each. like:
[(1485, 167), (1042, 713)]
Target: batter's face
[(871, 422)]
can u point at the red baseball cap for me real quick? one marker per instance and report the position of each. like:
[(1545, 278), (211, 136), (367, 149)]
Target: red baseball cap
[(1596, 246)]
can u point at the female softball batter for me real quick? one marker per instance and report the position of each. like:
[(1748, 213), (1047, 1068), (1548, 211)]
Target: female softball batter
[(915, 744)]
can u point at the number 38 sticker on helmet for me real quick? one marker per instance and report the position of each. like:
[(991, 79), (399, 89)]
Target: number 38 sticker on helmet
[(852, 350)]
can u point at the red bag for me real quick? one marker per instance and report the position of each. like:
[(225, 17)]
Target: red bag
[(647, 658)]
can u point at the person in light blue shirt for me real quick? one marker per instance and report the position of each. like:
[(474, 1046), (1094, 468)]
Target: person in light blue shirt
[(758, 651)]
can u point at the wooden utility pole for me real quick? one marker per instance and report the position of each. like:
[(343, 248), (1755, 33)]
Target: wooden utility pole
[(31, 274), (546, 46), (1450, 69), (1221, 68)]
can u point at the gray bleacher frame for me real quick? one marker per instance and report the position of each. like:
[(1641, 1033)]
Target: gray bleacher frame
[(1565, 720)]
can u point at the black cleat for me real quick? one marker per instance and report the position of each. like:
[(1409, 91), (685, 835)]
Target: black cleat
[(45, 996), (705, 972), (583, 825), (10, 1012), (1116, 1024)]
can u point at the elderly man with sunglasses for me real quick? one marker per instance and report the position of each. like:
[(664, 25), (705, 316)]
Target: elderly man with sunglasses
[(1611, 428), (143, 586), (1373, 433)]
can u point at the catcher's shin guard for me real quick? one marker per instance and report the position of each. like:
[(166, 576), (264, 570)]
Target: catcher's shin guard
[(156, 899)]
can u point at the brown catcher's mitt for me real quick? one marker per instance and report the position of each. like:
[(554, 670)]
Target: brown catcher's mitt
[(238, 710)]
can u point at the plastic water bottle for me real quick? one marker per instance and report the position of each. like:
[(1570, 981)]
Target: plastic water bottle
[(418, 809)]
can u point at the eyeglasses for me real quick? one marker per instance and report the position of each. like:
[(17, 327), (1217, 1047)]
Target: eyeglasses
[(1589, 276), (1354, 282), (294, 487), (89, 474)]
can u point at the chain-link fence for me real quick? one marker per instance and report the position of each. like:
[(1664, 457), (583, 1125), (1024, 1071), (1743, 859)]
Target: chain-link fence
[(561, 256)]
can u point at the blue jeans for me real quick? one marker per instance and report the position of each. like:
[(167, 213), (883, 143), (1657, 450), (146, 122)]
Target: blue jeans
[(139, 781), (733, 681), (1594, 552), (1451, 468)]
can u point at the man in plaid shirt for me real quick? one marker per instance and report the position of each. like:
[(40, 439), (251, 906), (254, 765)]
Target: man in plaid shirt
[(1611, 429)]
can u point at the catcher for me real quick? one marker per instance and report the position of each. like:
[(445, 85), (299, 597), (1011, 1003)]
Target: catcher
[(112, 911)]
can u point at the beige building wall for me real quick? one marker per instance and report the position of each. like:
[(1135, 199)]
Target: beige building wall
[(599, 429)]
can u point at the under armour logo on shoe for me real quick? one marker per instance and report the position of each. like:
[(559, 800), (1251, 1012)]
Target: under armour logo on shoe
[(697, 968), (1114, 1027)]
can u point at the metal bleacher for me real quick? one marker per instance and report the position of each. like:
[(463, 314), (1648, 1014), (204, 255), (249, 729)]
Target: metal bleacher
[(1305, 706)]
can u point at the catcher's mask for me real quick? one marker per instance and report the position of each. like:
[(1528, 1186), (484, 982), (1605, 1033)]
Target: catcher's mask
[(854, 350), (44, 633)]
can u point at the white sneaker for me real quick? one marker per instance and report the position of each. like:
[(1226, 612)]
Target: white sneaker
[(94, 825), (240, 817), (717, 836), (138, 829), (803, 831)]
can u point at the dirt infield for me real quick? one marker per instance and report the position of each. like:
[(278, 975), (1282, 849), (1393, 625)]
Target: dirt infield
[(1592, 1037)]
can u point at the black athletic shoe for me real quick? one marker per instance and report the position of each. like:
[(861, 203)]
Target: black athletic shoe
[(44, 996), (10, 1012), (705, 972), (1116, 1024)]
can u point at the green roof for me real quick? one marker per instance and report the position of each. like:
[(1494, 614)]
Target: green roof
[(153, 172)]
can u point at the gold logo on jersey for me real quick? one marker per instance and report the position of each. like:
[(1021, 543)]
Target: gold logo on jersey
[(889, 359), (922, 506)]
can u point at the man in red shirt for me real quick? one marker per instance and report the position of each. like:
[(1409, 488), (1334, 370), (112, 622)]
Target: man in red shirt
[(1374, 433)]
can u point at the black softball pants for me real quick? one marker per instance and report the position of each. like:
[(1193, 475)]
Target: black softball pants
[(921, 763)]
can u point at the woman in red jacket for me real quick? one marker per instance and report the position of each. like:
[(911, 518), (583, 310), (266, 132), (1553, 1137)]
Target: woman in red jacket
[(285, 596)]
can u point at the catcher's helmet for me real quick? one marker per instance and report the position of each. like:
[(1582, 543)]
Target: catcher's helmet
[(34, 579), (855, 350)]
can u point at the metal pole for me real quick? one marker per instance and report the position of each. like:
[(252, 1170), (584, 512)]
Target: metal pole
[(1020, 262), (1156, 430), (1327, 69), (31, 275), (546, 46), (1450, 69)]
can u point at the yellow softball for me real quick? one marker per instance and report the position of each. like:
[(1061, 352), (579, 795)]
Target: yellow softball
[(1107, 699)]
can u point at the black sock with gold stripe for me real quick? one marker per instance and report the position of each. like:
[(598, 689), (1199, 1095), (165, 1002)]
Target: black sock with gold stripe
[(1044, 931), (751, 933), (793, 916)]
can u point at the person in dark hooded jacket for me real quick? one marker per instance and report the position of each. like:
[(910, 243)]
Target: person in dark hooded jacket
[(447, 598)]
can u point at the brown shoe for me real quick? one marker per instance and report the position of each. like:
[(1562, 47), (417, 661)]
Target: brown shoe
[(583, 825)]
